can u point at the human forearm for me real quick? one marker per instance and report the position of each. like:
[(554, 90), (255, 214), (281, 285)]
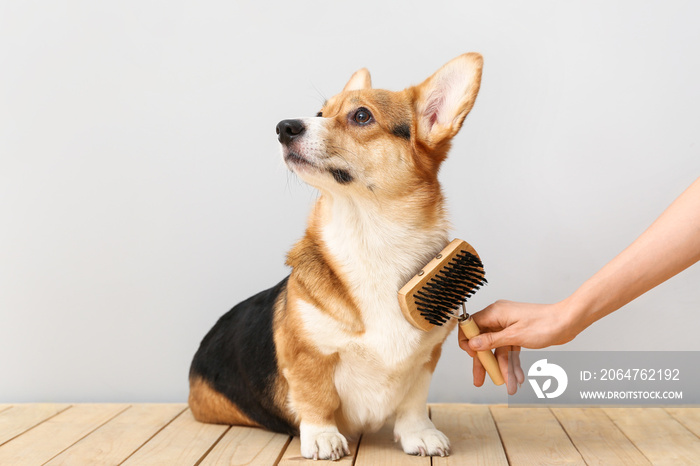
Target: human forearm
[(668, 246)]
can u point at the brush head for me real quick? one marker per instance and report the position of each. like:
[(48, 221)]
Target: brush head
[(435, 294)]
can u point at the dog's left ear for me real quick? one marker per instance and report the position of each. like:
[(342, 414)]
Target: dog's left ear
[(358, 81), (445, 98)]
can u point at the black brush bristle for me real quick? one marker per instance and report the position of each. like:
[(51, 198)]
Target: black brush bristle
[(444, 293)]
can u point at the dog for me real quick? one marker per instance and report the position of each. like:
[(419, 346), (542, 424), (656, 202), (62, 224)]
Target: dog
[(326, 354)]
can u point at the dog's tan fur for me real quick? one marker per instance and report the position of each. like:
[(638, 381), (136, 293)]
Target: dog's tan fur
[(208, 405)]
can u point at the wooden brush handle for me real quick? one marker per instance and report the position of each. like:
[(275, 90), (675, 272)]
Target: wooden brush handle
[(488, 360)]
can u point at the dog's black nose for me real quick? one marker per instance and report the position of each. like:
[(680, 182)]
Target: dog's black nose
[(289, 129)]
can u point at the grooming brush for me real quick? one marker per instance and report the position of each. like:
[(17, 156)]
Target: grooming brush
[(436, 293)]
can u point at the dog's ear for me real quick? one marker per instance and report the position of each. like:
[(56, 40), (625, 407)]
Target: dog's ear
[(358, 81), (444, 99)]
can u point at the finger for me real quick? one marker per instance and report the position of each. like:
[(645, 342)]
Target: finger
[(478, 372), (491, 340), (512, 379), (494, 316), (515, 357), (502, 358), (460, 334), (464, 343)]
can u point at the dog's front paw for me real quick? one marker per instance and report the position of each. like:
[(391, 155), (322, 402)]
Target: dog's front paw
[(322, 442), (426, 442)]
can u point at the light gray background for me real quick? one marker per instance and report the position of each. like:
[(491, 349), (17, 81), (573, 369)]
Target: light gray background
[(142, 192)]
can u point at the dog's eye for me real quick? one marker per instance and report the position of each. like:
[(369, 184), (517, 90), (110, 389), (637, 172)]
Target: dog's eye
[(362, 116), (319, 114)]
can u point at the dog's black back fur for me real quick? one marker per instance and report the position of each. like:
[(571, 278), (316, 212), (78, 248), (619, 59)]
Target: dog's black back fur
[(238, 359)]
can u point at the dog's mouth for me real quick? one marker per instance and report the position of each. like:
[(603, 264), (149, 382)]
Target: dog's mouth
[(294, 159), (299, 164)]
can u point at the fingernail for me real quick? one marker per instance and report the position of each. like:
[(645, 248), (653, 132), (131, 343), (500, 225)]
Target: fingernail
[(475, 342)]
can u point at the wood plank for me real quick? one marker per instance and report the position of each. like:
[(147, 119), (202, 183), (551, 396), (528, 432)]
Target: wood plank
[(106, 434), (20, 418), (472, 432), (292, 455), (51, 437), (183, 442), (120, 437), (247, 446), (597, 437), (380, 449), (661, 438), (689, 417), (534, 436)]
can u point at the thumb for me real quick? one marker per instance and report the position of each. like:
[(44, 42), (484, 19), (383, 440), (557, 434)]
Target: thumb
[(487, 341)]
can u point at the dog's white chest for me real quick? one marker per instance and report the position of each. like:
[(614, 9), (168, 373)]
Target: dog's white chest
[(369, 391), (376, 370)]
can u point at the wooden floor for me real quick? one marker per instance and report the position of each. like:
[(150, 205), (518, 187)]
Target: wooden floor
[(166, 434)]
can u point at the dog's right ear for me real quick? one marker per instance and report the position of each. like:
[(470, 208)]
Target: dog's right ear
[(358, 81)]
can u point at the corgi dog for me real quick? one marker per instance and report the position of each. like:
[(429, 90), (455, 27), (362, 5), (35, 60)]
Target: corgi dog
[(326, 354)]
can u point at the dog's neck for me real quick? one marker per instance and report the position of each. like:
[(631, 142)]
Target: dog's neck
[(382, 243)]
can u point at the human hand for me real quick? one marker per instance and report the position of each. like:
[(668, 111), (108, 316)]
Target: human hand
[(508, 326), (668, 246)]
